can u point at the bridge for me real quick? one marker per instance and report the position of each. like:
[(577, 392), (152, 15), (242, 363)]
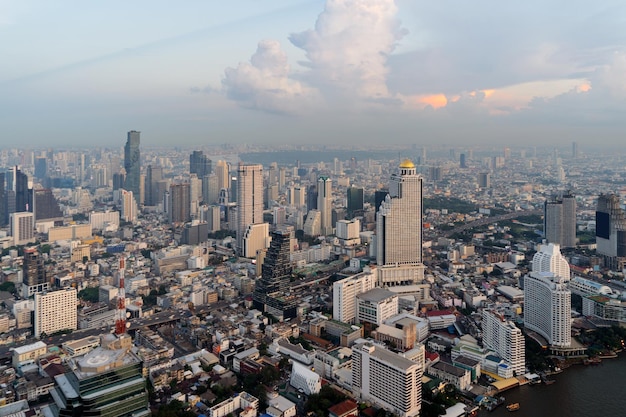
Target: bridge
[(494, 219)]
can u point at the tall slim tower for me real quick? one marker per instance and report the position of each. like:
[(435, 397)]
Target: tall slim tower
[(199, 164), (559, 220), (132, 164), (179, 204), (223, 174), (324, 203), (399, 229), (249, 198), (120, 313)]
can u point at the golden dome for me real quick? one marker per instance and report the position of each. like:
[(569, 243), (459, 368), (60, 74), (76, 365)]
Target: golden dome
[(407, 164)]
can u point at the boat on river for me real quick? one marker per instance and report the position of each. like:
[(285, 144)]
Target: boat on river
[(513, 407)]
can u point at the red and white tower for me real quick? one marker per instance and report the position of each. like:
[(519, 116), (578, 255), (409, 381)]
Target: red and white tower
[(120, 315)]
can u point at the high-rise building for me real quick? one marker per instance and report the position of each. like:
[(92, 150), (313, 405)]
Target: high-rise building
[(41, 168), (386, 379), (504, 338), (355, 201), (270, 290), (4, 215), (132, 164), (249, 199), (484, 180), (107, 381), (325, 203), (210, 189), (547, 307), (22, 228), (463, 161), (19, 197), (223, 174), (549, 259), (255, 238), (33, 273), (611, 231), (154, 174), (345, 292), (46, 206), (55, 311), (311, 197), (559, 220), (575, 149), (118, 179), (399, 229), (179, 207), (129, 206), (199, 164)]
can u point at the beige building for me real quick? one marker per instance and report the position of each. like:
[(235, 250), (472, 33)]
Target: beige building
[(55, 311), (72, 232)]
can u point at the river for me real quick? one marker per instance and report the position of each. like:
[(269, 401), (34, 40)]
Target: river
[(579, 391)]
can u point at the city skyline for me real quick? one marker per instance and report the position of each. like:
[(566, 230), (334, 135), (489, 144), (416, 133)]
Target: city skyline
[(399, 72)]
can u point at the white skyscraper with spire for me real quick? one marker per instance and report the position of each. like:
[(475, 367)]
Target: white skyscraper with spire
[(399, 229)]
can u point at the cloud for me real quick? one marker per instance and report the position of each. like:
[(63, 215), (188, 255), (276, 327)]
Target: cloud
[(264, 83), (349, 47)]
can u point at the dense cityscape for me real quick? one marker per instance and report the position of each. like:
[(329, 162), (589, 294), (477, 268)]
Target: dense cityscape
[(304, 280)]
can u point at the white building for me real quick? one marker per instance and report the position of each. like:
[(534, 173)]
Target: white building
[(505, 338), (345, 292), (255, 238), (22, 228), (129, 206), (547, 308), (302, 378), (249, 199), (376, 305), (107, 220), (313, 223), (279, 406), (348, 231), (386, 379), (549, 259), (55, 311), (246, 404), (399, 229)]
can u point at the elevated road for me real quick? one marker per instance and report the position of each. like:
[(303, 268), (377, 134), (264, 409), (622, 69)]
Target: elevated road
[(490, 220)]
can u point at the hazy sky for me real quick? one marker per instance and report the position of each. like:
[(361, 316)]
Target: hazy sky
[(334, 71)]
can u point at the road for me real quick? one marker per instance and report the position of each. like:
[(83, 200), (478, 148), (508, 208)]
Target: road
[(494, 219)]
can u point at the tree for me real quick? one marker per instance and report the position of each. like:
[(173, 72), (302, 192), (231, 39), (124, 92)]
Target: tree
[(8, 286), (90, 294)]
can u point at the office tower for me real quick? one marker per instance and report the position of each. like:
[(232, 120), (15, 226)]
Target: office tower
[(376, 306), (355, 201), (194, 233), (55, 311), (21, 197), (275, 273), (559, 220), (507, 153), (250, 199), (484, 180), (379, 197), (255, 238), (271, 195), (107, 381), (210, 189), (575, 149), (337, 167), (547, 307), (199, 164), (549, 259), (154, 174), (4, 215), (279, 215), (504, 338), (33, 272), (463, 161), (129, 206), (611, 231), (297, 196), (399, 229), (118, 180), (313, 223), (104, 220), (132, 164), (324, 203), (22, 228), (345, 292), (179, 205), (41, 168), (211, 215), (282, 177), (311, 198), (434, 173), (386, 379), (233, 190), (195, 189), (46, 206), (223, 174)]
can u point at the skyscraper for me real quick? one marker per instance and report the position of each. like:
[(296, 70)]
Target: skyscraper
[(179, 207), (559, 220), (199, 164), (154, 174), (4, 215), (132, 164), (547, 307), (549, 259), (223, 174), (249, 199), (355, 201), (611, 231), (399, 229), (270, 290), (324, 203)]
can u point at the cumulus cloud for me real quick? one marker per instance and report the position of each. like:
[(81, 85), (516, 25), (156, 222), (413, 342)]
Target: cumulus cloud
[(349, 46), (264, 83)]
